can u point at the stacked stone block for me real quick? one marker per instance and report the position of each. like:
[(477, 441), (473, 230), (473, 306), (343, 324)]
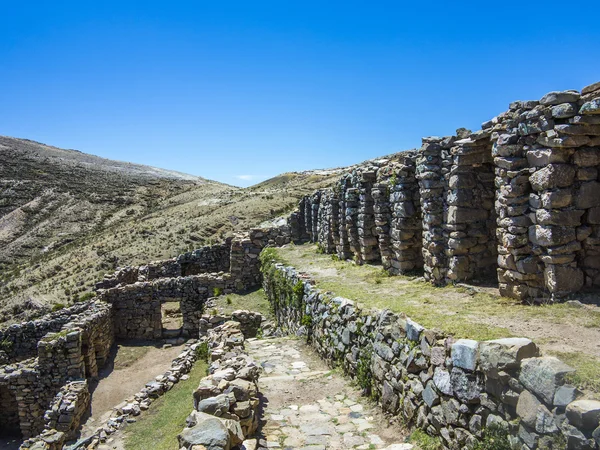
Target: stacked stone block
[(430, 173), (328, 221), (343, 245), (518, 197), (226, 401), (67, 408)]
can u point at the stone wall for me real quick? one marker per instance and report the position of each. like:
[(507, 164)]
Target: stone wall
[(516, 202), (226, 401), (207, 259), (141, 401), (250, 322), (459, 390), (19, 341), (74, 352)]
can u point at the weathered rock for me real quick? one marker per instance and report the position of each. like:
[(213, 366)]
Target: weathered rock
[(505, 354), (465, 353), (543, 376), (584, 414)]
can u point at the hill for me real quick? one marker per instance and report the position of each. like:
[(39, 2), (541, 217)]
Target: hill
[(67, 218)]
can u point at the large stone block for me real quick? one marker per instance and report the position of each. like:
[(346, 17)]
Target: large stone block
[(587, 157), (563, 279), (458, 215), (543, 376), (465, 354), (558, 97), (551, 235), (505, 354), (466, 386), (591, 107), (552, 176), (584, 414), (588, 195)]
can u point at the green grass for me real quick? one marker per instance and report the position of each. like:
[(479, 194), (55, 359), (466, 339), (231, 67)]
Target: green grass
[(128, 354), (158, 427), (252, 301), (423, 441)]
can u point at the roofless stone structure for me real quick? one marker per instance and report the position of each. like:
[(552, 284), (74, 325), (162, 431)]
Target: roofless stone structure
[(517, 201)]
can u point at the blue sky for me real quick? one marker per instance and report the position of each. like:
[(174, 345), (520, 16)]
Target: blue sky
[(241, 91)]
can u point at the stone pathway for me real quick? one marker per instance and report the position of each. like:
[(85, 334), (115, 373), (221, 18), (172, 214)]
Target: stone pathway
[(307, 406)]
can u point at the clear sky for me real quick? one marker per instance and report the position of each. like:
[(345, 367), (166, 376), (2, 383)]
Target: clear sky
[(239, 91)]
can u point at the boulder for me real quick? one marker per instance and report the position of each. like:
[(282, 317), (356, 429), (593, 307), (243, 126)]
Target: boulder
[(505, 354), (465, 353), (543, 376), (584, 414), (208, 431)]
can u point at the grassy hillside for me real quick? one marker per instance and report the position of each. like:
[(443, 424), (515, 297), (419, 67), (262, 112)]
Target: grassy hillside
[(68, 218)]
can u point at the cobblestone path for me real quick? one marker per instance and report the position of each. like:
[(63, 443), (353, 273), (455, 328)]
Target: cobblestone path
[(307, 406)]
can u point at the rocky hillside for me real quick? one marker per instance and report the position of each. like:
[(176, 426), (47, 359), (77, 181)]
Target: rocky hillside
[(67, 217)]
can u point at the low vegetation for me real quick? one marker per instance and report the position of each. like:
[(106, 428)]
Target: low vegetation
[(158, 427)]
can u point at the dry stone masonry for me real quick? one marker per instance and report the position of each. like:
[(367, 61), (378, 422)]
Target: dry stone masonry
[(46, 362), (226, 401), (462, 391), (517, 201)]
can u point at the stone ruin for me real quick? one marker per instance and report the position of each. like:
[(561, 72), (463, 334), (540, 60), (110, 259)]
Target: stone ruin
[(517, 202), (45, 364)]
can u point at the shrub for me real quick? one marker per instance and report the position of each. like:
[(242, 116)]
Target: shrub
[(424, 441), (202, 352), (57, 307), (217, 291), (494, 438)]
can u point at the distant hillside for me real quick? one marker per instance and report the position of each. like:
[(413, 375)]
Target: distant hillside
[(67, 217), (50, 196)]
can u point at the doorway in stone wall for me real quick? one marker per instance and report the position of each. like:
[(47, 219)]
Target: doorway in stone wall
[(172, 320), (10, 430)]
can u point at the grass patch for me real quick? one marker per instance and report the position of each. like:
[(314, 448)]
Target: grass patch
[(253, 301), (158, 427), (587, 376), (423, 441), (128, 354)]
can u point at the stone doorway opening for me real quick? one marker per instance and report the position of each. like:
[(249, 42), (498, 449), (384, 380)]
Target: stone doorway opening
[(172, 320), (10, 426)]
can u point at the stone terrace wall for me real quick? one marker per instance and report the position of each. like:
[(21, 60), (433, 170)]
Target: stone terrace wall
[(19, 341), (137, 307), (208, 259), (458, 390), (517, 201), (75, 351)]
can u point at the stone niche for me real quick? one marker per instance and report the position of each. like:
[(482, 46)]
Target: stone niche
[(9, 412)]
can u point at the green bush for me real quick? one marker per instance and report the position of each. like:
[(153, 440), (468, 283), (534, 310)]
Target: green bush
[(424, 441), (57, 307), (217, 291), (494, 438), (202, 352)]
